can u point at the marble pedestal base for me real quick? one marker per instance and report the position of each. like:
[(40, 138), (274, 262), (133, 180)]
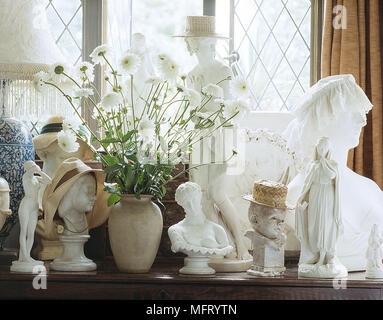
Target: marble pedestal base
[(221, 264), (268, 258), (374, 274), (327, 271), (197, 265), (73, 257), (26, 267)]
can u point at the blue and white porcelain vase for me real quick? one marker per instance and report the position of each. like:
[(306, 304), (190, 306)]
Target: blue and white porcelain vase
[(16, 147)]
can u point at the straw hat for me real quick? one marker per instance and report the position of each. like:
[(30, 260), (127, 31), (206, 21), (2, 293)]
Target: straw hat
[(48, 135), (270, 194), (65, 176), (201, 26)]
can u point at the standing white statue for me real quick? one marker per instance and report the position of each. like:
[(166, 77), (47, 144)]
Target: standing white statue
[(4, 201), (69, 209), (267, 214), (33, 180), (374, 255), (319, 217), (195, 235), (336, 107), (201, 39)]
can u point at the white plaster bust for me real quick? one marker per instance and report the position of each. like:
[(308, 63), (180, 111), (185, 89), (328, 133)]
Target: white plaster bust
[(336, 107), (374, 254), (79, 199), (195, 233)]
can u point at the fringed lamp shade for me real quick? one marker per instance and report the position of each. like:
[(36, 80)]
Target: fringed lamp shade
[(27, 47)]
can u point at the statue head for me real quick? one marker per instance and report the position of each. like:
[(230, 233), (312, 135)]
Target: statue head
[(81, 197), (200, 46), (335, 107), (267, 221), (189, 195), (323, 148)]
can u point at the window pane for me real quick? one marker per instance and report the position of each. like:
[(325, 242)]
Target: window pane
[(159, 20), (65, 21), (273, 42)]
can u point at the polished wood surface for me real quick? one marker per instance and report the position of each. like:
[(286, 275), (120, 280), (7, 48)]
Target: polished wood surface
[(164, 282)]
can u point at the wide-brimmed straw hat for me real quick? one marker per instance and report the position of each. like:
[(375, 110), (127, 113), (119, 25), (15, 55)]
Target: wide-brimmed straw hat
[(270, 194), (65, 176), (200, 26), (48, 135)]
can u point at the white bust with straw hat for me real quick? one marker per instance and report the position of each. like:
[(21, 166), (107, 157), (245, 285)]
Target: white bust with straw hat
[(267, 213)]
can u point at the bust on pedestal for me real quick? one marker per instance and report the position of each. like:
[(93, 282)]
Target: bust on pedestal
[(69, 210), (267, 213), (196, 236)]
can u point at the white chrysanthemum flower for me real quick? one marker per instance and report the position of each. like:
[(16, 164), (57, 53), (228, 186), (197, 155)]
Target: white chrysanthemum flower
[(163, 57), (84, 71), (98, 53), (193, 96), (38, 81), (213, 90), (235, 108), (168, 69), (83, 92), (239, 88), (146, 129), (111, 100), (57, 71), (67, 141), (70, 124), (130, 63)]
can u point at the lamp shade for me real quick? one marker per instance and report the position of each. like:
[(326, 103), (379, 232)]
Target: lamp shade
[(26, 45)]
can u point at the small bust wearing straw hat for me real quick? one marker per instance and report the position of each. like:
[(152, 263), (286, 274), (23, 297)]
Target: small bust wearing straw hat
[(267, 212)]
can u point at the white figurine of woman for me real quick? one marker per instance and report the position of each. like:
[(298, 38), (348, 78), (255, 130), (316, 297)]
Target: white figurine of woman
[(33, 180), (319, 217), (374, 255), (195, 235)]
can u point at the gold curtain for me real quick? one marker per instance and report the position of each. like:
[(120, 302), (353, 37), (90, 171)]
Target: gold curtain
[(356, 49)]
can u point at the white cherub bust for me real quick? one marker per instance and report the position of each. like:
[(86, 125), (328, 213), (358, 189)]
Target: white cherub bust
[(33, 180), (374, 255), (195, 235)]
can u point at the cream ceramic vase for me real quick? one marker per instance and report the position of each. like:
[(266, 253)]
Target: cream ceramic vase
[(135, 229)]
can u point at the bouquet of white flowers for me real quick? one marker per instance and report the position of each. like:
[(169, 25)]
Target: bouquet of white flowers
[(143, 133)]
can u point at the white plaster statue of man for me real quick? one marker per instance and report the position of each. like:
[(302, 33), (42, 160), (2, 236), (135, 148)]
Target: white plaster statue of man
[(33, 180), (195, 235), (374, 254), (319, 217), (201, 38), (336, 108)]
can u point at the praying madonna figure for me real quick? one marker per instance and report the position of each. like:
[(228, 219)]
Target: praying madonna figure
[(319, 217)]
